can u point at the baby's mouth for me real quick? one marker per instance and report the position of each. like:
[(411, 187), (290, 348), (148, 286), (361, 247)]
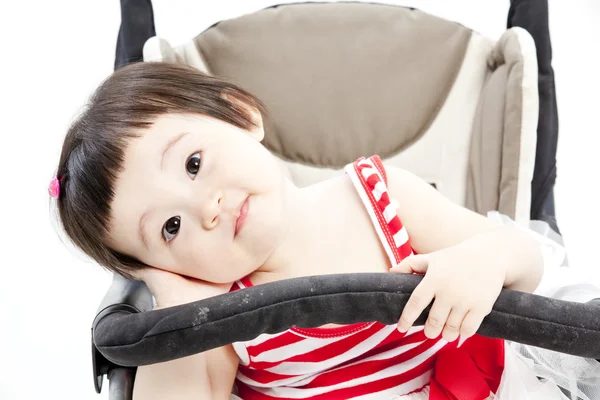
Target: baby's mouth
[(242, 214)]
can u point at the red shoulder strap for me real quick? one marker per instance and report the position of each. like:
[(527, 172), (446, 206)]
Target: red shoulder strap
[(370, 180), (379, 165)]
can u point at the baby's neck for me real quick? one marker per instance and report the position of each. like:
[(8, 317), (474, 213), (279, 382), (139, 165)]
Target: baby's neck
[(304, 216)]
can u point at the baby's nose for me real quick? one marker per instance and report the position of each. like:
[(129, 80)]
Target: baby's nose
[(211, 211)]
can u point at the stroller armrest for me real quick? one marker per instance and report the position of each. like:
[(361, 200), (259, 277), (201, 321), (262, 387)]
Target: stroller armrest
[(170, 333), (126, 296)]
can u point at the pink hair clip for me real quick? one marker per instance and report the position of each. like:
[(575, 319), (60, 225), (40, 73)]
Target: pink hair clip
[(54, 188)]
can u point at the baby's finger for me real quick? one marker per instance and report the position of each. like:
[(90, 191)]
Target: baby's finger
[(453, 324), (418, 301), (436, 319), (159, 282), (416, 263), (470, 324)]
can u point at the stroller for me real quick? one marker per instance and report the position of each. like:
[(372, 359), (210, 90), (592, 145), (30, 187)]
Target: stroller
[(475, 118)]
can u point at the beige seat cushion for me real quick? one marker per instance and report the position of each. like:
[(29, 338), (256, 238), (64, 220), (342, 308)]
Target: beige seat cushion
[(344, 80)]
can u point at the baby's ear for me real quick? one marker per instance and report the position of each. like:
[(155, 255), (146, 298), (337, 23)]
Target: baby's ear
[(258, 131)]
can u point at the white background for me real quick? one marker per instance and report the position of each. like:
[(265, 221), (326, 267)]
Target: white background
[(54, 53)]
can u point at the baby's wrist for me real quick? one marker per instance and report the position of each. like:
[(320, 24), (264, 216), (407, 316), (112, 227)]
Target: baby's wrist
[(524, 267)]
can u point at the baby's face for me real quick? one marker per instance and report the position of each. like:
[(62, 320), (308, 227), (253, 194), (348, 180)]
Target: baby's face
[(198, 197)]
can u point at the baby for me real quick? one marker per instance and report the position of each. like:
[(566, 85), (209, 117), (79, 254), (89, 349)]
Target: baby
[(163, 178)]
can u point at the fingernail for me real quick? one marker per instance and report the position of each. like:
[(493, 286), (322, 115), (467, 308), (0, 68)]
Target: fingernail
[(401, 329), (461, 340)]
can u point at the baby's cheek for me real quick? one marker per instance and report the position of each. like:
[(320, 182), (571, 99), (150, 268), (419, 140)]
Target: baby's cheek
[(184, 260), (211, 263)]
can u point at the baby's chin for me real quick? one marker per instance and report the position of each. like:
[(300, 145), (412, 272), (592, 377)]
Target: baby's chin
[(223, 275)]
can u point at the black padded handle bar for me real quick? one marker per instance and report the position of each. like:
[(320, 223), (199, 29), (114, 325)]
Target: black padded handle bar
[(134, 339), (125, 296)]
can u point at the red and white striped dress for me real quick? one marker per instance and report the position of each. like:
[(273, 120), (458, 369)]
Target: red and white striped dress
[(359, 361)]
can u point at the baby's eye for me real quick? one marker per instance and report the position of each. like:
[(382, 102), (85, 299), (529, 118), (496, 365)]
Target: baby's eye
[(171, 228), (192, 165)]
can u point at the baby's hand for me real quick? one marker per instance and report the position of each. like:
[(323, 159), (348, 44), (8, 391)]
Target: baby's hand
[(170, 289), (464, 285)]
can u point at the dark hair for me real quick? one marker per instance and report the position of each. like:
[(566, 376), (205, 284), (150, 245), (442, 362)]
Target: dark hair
[(93, 151)]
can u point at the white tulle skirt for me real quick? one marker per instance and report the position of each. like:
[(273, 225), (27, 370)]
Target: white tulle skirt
[(532, 373)]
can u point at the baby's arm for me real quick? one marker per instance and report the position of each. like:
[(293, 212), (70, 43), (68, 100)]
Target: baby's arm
[(208, 375), (466, 259), (435, 223)]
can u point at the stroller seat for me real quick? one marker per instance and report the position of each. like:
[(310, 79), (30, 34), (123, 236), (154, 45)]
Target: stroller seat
[(340, 81), (344, 80)]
